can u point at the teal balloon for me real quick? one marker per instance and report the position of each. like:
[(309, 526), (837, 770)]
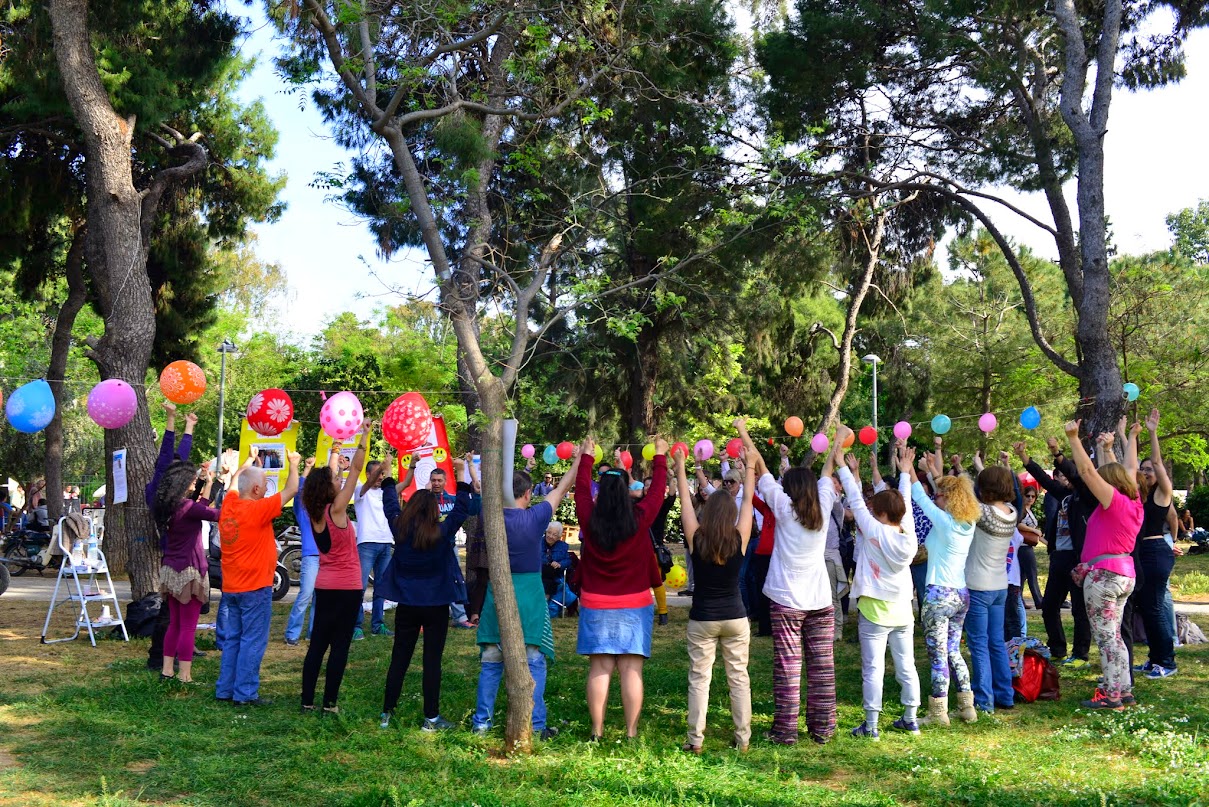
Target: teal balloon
[(1131, 391), (941, 424), (550, 455), (31, 408), (1030, 418)]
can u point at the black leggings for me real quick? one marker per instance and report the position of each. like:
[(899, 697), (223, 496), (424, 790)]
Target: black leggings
[(409, 620), (336, 613)]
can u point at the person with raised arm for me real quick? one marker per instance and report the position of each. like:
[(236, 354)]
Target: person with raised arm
[(338, 584), (308, 566), (883, 589), (716, 546), (1156, 559)]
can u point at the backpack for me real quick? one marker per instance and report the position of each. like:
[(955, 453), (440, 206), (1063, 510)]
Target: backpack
[(142, 614), (1038, 679)]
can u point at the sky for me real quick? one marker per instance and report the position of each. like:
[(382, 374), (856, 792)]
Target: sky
[(1153, 167)]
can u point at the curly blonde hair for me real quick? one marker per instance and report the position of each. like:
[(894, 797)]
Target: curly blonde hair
[(960, 501)]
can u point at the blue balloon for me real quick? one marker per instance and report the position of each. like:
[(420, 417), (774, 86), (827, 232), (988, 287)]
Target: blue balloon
[(550, 455), (941, 424), (31, 408), (1030, 418), (1131, 391)]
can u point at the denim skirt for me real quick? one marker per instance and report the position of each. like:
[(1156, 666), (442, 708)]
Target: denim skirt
[(615, 631)]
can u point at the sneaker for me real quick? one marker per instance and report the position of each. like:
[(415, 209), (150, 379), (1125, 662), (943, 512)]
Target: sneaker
[(480, 730), (381, 630), (864, 732), (358, 634), (1142, 668), (1075, 663), (1158, 671), (1101, 702), (909, 726), (663, 619), (384, 720), (289, 643), (1127, 699), (548, 733), (435, 724)]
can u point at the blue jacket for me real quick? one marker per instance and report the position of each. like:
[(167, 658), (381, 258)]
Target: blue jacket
[(558, 553), (425, 577)]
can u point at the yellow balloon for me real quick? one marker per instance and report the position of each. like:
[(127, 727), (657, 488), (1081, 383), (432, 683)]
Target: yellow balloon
[(598, 453), (648, 452), (676, 577)]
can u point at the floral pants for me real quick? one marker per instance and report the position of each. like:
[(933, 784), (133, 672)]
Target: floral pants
[(944, 613), (1105, 594)]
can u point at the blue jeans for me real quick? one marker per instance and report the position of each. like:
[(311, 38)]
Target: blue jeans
[(306, 590), (220, 623), (990, 670), (375, 558), (247, 637), (492, 673)]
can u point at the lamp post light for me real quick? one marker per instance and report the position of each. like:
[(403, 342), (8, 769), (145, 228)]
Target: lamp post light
[(226, 347), (874, 360)]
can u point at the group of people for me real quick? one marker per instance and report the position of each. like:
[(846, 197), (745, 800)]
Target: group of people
[(1102, 524)]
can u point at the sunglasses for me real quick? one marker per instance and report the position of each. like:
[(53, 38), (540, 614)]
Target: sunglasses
[(726, 483)]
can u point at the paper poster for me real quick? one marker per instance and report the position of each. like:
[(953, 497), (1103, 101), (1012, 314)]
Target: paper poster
[(119, 476), (434, 453), (347, 449), (272, 453)]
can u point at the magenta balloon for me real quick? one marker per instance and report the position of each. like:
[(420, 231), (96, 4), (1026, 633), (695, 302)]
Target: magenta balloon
[(112, 403), (341, 416), (528, 451), (902, 430), (987, 423), (819, 443), (703, 450)]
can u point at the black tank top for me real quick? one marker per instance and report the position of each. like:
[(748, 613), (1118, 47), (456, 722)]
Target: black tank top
[(716, 594), (1154, 517)]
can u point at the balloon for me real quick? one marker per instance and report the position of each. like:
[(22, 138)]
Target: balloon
[(680, 447), (819, 443), (627, 460), (270, 412), (868, 436), (676, 576), (598, 453), (182, 382), (794, 426), (1131, 391), (564, 450), (849, 440), (1030, 418), (648, 452), (987, 423), (733, 446), (31, 407), (112, 403), (341, 416), (407, 422), (902, 430), (703, 450), (1028, 481), (550, 455), (527, 451), (941, 424)]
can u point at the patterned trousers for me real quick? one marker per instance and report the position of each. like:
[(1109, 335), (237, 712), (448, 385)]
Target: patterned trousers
[(790, 629), (944, 613), (1105, 593)]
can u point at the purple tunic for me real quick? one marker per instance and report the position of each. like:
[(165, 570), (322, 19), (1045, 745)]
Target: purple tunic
[(164, 460), (183, 545)]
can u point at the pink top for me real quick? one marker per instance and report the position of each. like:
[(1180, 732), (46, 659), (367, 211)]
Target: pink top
[(340, 566), (1114, 531)]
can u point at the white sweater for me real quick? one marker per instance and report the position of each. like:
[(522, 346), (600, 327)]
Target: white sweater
[(797, 574), (883, 567)]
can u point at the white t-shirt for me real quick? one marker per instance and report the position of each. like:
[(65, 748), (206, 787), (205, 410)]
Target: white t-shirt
[(371, 521), (797, 577), (1013, 567)]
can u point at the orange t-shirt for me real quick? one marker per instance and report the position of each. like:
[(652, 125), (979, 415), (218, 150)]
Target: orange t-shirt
[(249, 553)]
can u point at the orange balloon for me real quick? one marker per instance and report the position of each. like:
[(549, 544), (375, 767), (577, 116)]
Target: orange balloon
[(183, 382), (849, 440), (794, 426)]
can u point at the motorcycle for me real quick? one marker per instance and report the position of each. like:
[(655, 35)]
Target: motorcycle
[(27, 549), (289, 554)]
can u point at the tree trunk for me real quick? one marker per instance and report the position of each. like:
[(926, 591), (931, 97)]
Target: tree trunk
[(59, 348), (644, 376)]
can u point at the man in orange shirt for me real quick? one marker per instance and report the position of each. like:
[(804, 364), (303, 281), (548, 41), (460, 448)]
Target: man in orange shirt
[(249, 556)]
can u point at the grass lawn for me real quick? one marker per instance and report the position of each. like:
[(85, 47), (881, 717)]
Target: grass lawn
[(91, 726)]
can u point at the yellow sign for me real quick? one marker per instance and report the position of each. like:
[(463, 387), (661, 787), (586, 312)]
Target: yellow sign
[(272, 453), (347, 449)]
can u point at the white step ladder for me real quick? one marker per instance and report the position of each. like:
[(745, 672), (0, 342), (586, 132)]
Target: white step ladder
[(78, 578)]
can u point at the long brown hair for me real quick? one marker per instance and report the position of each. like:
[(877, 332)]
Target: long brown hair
[(1114, 473), (421, 519), (717, 540), (802, 488)]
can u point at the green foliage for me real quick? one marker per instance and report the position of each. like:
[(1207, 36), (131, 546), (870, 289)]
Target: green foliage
[(1198, 503)]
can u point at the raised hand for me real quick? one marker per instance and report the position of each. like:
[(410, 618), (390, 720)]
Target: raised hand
[(1072, 429), (310, 463), (1152, 421), (295, 459), (1052, 444), (854, 463), (169, 407), (588, 447), (1005, 458), (1021, 450), (906, 456), (190, 419), (660, 446)]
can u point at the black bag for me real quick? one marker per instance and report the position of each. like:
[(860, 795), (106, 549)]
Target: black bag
[(141, 615), (663, 555)]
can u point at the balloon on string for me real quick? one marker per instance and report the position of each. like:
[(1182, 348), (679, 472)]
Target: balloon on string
[(987, 423), (733, 446), (564, 450), (902, 430), (819, 443), (680, 447), (341, 416), (648, 452), (270, 412), (794, 426), (183, 382), (407, 422), (627, 460), (1131, 391), (550, 455), (597, 453), (112, 403), (703, 450), (849, 440), (868, 436), (31, 407), (1030, 418), (941, 424), (676, 576), (527, 451)]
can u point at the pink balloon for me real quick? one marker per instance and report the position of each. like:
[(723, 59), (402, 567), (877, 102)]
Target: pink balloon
[(341, 416), (703, 450), (112, 403), (987, 423), (527, 451), (819, 443), (902, 430)]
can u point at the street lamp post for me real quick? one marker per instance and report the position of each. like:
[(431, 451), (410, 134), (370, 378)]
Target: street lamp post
[(874, 360), (226, 347)]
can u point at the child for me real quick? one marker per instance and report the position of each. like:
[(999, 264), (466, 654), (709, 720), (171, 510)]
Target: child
[(883, 586)]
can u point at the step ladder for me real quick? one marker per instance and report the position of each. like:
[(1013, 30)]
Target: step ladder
[(86, 583)]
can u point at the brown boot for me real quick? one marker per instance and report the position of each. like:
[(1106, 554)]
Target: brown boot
[(965, 707), (938, 712)]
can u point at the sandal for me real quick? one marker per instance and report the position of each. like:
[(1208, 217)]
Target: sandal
[(691, 749)]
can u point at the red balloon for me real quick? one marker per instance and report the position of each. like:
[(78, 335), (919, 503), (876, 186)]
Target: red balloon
[(270, 412), (681, 447), (627, 460), (868, 436), (565, 450), (733, 446), (407, 422)]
